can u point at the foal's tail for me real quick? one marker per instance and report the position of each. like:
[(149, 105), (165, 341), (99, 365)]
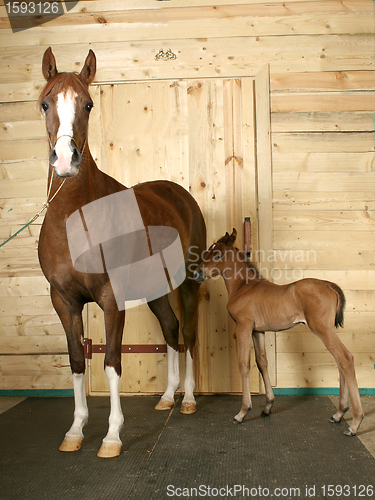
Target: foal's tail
[(341, 301)]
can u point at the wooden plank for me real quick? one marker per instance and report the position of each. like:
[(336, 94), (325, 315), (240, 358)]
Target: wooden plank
[(322, 122), (33, 344), (22, 130), (324, 200), (24, 286), (324, 162), (102, 5), (199, 22), (20, 112), (292, 220), (324, 102), (11, 306), (320, 370), (319, 182), (346, 279), (24, 149), (327, 142), (35, 372), (26, 169), (233, 56), (321, 81)]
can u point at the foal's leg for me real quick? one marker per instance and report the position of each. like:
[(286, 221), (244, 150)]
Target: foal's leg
[(261, 359), (114, 326), (343, 401), (170, 328), (189, 292), (71, 319), (345, 362), (243, 335)]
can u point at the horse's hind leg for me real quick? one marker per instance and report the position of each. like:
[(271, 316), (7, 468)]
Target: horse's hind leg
[(343, 401), (261, 359), (71, 319), (243, 335), (345, 362), (189, 292), (170, 328)]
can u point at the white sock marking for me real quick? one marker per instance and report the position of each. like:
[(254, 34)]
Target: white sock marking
[(173, 374), (81, 412), (116, 418), (189, 380)]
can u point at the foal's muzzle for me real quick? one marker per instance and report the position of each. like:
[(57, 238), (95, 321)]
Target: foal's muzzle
[(199, 275)]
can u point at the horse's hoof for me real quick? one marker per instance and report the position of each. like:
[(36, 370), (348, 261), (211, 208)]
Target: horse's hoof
[(266, 413), (71, 443), (237, 422), (188, 408), (109, 450), (349, 432), (334, 420), (164, 404)]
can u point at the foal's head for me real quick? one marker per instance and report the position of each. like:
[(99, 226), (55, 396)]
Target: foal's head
[(217, 258), (66, 103)]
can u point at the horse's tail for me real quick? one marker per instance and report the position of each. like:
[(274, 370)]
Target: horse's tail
[(341, 301)]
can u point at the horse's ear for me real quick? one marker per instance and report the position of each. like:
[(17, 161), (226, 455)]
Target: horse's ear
[(89, 68), (232, 238), (49, 64)]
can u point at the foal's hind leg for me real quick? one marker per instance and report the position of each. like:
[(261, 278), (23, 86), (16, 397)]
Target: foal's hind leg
[(189, 292), (71, 319), (345, 362), (343, 401), (243, 334), (261, 359), (170, 328)]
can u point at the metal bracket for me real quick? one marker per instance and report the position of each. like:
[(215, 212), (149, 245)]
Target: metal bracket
[(90, 348)]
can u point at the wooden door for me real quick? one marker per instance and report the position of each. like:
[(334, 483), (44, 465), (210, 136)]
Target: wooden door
[(201, 134)]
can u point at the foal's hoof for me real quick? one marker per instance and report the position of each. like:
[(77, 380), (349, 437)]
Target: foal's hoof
[(71, 443), (164, 404), (336, 419), (109, 450), (349, 432), (188, 408)]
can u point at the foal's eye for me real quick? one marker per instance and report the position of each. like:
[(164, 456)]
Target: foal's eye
[(44, 106), (217, 257), (89, 106)]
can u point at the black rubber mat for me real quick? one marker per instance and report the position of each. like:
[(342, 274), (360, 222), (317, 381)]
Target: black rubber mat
[(294, 453)]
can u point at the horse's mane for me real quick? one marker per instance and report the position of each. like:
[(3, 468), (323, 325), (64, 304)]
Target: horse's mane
[(62, 81)]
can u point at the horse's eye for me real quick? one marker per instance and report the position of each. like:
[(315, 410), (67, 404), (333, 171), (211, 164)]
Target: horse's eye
[(44, 106), (217, 257), (89, 106)]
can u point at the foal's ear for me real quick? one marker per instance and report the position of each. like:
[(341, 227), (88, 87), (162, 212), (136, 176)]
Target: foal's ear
[(232, 238), (49, 64), (89, 68)]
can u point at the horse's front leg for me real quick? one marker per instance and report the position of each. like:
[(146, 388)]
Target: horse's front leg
[(244, 334), (71, 319), (261, 359), (114, 325)]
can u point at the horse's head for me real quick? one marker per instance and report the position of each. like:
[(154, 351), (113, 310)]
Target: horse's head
[(66, 103), (217, 257)]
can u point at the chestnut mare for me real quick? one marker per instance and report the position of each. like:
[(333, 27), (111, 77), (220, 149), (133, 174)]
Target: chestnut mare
[(257, 306), (66, 103)]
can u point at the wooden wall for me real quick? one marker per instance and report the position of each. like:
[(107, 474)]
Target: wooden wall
[(322, 95)]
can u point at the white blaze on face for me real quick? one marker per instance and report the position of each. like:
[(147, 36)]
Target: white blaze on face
[(66, 107)]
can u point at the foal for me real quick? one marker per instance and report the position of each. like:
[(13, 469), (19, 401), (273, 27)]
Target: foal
[(257, 306)]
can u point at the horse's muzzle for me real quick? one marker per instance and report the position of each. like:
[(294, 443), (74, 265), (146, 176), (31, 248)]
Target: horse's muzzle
[(199, 275), (65, 160)]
